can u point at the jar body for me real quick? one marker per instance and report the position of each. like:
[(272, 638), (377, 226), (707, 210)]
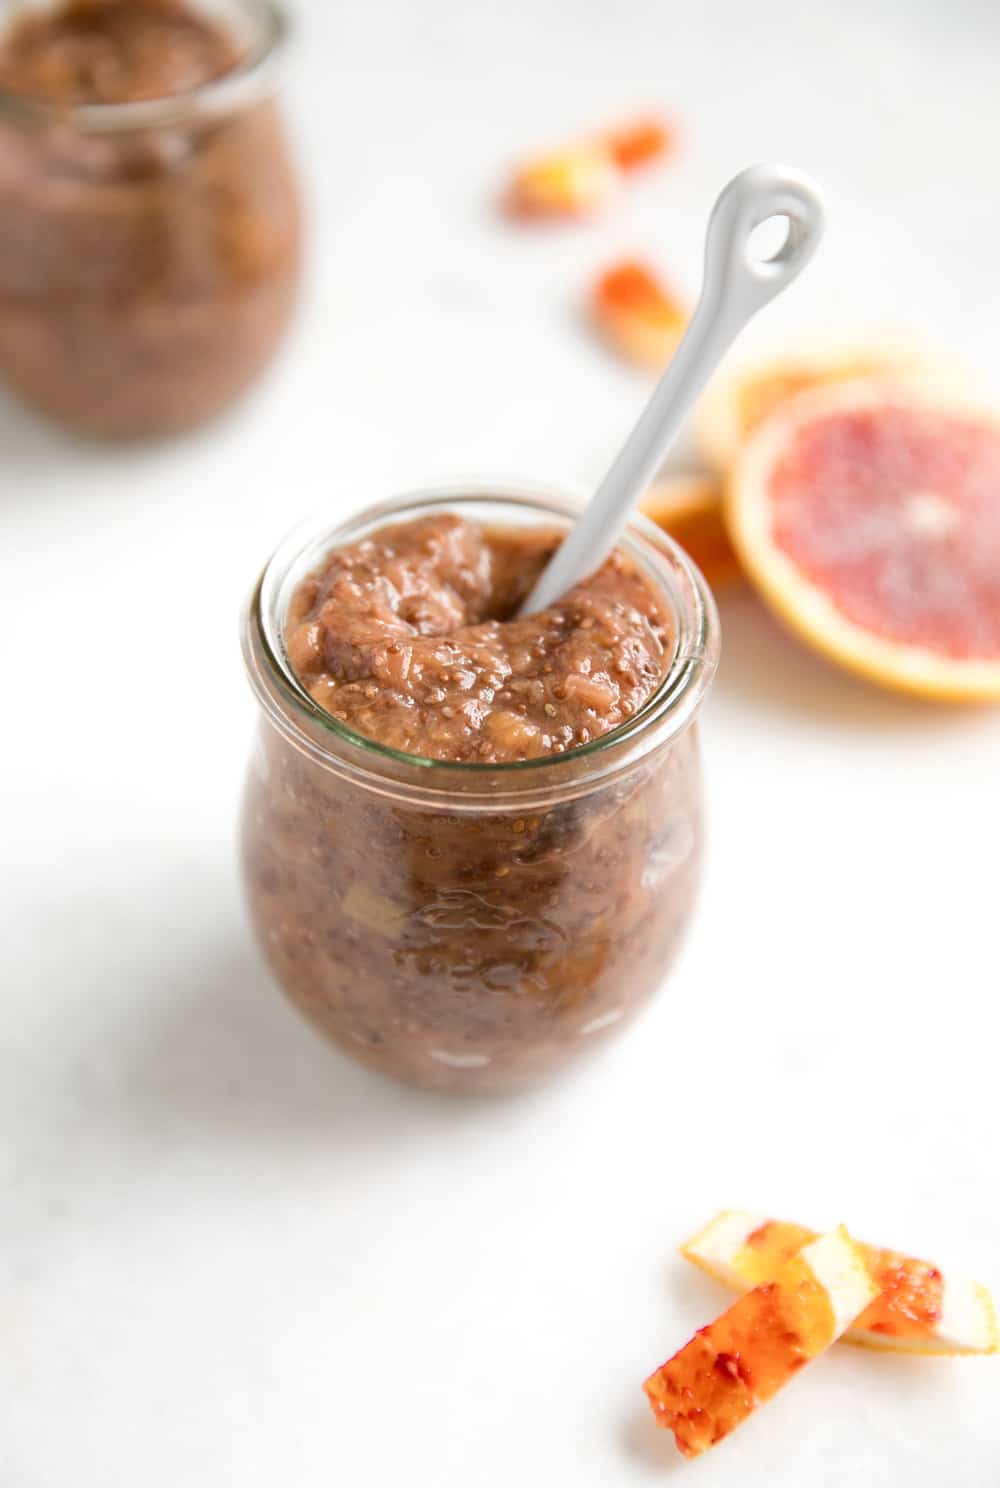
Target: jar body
[(463, 927), (147, 274), (463, 951)]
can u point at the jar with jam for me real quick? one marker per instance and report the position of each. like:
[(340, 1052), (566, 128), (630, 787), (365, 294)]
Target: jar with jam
[(471, 839), (149, 210)]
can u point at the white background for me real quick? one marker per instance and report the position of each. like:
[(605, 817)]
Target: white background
[(230, 1257)]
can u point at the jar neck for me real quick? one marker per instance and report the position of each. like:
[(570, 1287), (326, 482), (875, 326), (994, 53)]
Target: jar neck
[(260, 30), (528, 783)]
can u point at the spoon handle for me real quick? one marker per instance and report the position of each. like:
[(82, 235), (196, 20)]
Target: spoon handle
[(735, 286)]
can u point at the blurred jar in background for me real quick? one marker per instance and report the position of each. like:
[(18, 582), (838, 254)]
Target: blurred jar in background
[(149, 211)]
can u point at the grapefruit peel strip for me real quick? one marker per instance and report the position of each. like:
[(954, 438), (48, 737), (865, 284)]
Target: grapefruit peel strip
[(637, 313), (965, 1321), (574, 182), (581, 178), (751, 1351), (638, 142)]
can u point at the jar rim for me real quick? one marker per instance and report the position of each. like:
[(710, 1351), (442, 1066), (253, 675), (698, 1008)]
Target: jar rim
[(248, 81), (307, 724)]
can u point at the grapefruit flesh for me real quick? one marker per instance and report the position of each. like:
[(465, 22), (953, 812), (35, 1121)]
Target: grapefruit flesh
[(869, 518)]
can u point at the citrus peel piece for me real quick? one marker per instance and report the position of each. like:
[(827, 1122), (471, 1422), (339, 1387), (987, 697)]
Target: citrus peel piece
[(637, 313), (919, 1309), (638, 142), (579, 179), (748, 1354), (689, 509), (574, 182)]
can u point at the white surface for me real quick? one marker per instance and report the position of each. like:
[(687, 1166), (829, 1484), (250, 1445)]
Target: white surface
[(230, 1257)]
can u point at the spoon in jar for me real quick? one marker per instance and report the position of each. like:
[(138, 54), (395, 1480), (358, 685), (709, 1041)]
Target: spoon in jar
[(735, 286)]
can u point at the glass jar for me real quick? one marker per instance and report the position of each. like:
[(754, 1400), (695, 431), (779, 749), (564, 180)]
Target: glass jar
[(463, 926), (149, 250)]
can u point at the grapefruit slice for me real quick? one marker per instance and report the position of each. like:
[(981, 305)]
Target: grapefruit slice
[(745, 1357), (919, 1309), (689, 508), (868, 517), (739, 400), (637, 313)]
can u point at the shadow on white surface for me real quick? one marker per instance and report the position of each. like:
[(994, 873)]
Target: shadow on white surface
[(224, 1053), (936, 1394), (648, 1443), (28, 444), (692, 1294), (870, 1383), (34, 446), (766, 668)]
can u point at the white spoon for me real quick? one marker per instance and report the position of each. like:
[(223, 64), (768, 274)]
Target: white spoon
[(735, 286)]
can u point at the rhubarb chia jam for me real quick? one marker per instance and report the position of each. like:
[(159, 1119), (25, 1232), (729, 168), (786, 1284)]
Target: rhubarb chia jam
[(471, 840)]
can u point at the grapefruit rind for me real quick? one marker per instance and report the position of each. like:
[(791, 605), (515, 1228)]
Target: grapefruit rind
[(689, 509), (967, 1324), (751, 1351), (720, 421), (806, 609), (837, 1263)]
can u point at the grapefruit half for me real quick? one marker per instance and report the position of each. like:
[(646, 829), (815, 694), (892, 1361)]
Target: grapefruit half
[(868, 517), (738, 401)]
